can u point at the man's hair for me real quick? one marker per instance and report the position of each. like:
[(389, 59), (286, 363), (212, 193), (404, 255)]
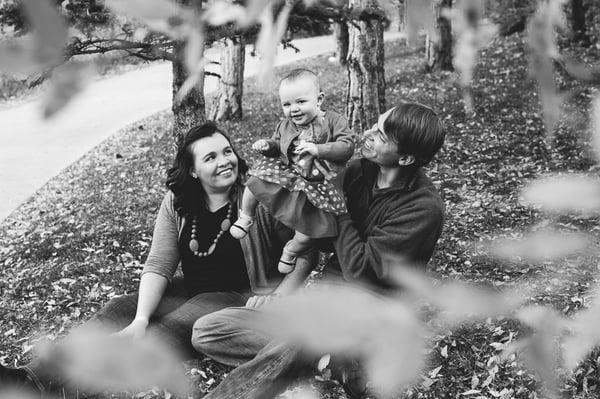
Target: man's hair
[(417, 130), (300, 73)]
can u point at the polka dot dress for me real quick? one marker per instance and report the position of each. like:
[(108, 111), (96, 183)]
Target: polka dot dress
[(306, 206)]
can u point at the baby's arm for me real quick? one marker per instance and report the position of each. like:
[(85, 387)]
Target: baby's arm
[(341, 146)]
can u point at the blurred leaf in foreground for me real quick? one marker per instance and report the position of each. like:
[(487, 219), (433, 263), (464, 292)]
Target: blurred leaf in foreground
[(540, 350), (584, 333), (419, 15), (160, 15), (595, 127), (472, 33), (194, 62), (269, 37), (340, 319), (43, 48), (459, 301), (543, 49), (67, 81), (564, 193), (95, 361), (49, 29), (222, 12), (540, 246)]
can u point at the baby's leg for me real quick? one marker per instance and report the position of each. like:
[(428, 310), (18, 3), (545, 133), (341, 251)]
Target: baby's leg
[(294, 247), (239, 229)]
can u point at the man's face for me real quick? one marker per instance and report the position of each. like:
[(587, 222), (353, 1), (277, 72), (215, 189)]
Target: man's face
[(377, 146), (300, 100)]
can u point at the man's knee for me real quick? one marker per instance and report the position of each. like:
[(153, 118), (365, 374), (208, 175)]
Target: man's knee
[(212, 330), (205, 332)]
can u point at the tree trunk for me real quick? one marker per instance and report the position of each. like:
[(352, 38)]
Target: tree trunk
[(365, 95), (340, 32), (438, 53), (190, 110), (227, 104), (578, 10)]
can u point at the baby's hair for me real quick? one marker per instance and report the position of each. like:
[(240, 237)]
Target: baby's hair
[(299, 73), (416, 129)]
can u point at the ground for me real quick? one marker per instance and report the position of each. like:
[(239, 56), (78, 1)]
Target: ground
[(83, 237)]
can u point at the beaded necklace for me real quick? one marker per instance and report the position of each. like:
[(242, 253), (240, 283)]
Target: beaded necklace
[(195, 246)]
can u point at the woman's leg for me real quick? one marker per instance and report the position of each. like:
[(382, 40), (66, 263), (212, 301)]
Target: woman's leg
[(175, 328), (239, 229), (294, 247)]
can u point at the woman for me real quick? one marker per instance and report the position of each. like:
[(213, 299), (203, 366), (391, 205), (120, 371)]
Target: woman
[(192, 229)]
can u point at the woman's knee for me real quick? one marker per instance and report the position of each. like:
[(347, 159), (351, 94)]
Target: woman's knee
[(117, 312)]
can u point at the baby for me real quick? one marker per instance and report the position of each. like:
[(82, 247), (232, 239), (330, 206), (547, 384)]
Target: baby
[(294, 178)]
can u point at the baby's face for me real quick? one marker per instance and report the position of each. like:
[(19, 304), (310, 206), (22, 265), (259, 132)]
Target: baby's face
[(300, 100)]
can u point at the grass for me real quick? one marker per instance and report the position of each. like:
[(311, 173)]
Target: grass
[(82, 238)]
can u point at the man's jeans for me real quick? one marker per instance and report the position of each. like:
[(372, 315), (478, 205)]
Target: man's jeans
[(264, 368), (172, 323)]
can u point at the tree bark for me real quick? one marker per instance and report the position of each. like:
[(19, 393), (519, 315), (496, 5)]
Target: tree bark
[(365, 94), (340, 32), (578, 10), (190, 111), (227, 103), (438, 53)]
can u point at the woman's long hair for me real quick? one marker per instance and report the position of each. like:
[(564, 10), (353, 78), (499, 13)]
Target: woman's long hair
[(190, 196)]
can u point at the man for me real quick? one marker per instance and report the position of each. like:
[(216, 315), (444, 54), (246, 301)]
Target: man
[(393, 210)]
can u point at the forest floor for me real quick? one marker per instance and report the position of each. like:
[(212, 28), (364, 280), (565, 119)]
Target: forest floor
[(83, 237)]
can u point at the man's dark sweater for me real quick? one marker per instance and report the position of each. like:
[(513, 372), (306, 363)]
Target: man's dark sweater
[(403, 222)]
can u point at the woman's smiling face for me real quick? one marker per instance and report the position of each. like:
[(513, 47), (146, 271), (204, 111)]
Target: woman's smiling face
[(215, 163)]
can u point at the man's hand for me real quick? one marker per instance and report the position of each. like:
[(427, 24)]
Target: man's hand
[(259, 300), (135, 330), (305, 147), (260, 145)]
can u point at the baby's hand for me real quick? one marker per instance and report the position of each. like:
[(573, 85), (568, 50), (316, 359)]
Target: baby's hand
[(305, 147), (260, 145)]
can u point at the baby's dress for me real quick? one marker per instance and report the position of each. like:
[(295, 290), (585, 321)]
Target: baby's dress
[(306, 204)]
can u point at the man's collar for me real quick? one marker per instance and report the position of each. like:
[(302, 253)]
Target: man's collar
[(405, 182)]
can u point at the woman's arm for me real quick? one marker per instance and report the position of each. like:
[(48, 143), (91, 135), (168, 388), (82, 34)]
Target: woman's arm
[(159, 268), (152, 288)]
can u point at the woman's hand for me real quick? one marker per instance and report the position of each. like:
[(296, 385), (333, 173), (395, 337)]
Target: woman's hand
[(305, 147), (260, 145), (259, 300), (135, 330)]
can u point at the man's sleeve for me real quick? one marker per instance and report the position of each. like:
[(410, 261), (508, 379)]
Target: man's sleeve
[(408, 235)]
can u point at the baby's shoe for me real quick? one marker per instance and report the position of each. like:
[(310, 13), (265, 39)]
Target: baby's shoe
[(287, 262), (239, 229)]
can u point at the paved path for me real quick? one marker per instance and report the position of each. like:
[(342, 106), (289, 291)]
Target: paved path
[(33, 151)]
